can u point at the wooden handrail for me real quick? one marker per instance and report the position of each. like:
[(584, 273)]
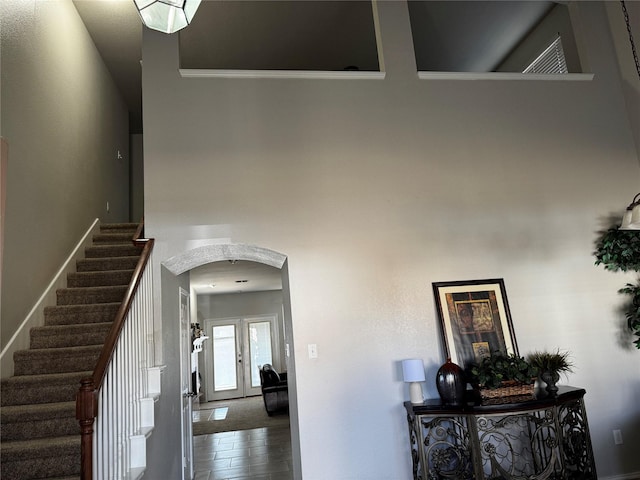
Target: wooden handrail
[(87, 396)]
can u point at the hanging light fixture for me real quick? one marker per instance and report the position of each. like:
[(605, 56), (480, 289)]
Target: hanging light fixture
[(167, 16), (631, 218)]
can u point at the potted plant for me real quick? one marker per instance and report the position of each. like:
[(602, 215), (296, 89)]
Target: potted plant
[(550, 365), (504, 375)]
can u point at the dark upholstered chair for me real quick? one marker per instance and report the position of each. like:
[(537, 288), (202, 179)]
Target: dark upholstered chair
[(275, 392)]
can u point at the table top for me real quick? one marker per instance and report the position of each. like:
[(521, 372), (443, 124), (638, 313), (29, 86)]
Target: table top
[(475, 405)]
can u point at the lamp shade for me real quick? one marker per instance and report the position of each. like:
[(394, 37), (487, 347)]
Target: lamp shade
[(167, 16), (635, 218), (631, 218), (413, 370)]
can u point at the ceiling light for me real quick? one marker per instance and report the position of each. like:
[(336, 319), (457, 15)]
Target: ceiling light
[(631, 218), (167, 16)]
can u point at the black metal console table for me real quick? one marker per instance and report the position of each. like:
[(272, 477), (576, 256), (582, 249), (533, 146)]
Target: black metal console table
[(536, 438)]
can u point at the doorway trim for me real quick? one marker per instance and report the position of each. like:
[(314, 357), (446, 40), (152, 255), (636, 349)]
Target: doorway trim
[(196, 257)]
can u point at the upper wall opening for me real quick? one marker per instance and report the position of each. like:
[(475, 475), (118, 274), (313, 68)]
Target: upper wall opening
[(488, 36), (281, 35)]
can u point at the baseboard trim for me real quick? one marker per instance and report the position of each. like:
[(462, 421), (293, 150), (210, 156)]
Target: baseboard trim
[(35, 318), (627, 476)]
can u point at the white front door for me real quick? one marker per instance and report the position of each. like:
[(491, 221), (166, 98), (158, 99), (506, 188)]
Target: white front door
[(237, 349), (186, 386)]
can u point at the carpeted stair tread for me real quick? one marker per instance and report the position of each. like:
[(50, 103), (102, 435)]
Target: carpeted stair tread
[(42, 446), (41, 388), (41, 411), (24, 422), (39, 431), (107, 263), (55, 360), (113, 237), (86, 295), (80, 314), (115, 227), (56, 336), (99, 279), (41, 458), (103, 251)]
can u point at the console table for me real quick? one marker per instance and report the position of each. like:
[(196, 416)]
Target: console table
[(533, 438)]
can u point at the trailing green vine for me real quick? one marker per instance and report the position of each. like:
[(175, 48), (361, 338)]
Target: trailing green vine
[(619, 250), (633, 311)]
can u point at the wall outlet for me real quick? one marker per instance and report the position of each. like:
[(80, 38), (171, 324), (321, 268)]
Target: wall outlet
[(617, 437)]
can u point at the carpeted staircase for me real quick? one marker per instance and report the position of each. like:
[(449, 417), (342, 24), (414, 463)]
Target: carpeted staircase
[(39, 431)]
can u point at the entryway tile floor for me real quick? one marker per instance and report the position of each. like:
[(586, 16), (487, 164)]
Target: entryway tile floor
[(258, 454)]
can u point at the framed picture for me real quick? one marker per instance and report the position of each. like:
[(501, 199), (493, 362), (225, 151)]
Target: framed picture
[(475, 319)]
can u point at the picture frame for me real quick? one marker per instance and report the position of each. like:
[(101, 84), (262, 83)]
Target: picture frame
[(475, 319)]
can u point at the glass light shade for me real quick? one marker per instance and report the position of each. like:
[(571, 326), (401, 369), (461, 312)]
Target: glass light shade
[(167, 16), (631, 218), (635, 218), (626, 220), (413, 370)]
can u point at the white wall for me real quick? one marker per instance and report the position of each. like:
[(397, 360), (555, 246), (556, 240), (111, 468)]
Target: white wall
[(374, 189), (167, 433), (63, 120)]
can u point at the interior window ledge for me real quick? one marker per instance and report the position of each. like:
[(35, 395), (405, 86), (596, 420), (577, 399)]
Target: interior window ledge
[(504, 76), (284, 74)]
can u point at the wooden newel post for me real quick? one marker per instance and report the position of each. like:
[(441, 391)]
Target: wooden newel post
[(86, 412)]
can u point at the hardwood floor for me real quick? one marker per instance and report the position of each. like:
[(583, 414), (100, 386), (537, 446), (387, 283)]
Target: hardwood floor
[(258, 454)]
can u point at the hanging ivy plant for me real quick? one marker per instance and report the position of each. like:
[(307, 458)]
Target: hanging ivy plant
[(633, 311), (619, 250)]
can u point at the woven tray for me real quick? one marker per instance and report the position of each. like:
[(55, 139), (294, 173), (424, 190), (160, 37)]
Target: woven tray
[(508, 389)]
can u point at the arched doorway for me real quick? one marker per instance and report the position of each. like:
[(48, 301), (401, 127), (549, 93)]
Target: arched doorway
[(187, 261)]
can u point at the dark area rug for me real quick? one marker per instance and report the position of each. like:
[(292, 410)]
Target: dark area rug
[(244, 414)]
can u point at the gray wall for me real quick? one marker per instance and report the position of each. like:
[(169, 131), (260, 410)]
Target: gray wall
[(374, 190), (628, 70), (240, 304), (64, 121), (136, 180)]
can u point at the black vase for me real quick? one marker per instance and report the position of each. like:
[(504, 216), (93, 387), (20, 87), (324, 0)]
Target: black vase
[(451, 384), (550, 378)]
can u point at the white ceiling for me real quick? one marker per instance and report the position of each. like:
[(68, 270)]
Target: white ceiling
[(235, 277)]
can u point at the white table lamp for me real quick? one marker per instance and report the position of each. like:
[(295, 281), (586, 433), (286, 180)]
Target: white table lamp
[(413, 373)]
